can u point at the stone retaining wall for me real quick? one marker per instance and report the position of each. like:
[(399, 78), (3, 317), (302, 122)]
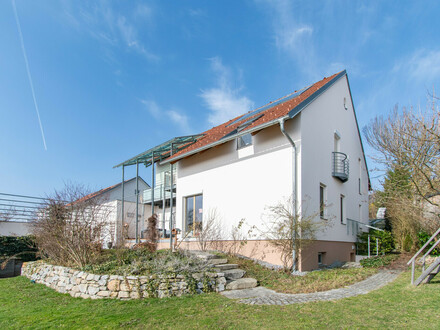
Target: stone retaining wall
[(85, 285)]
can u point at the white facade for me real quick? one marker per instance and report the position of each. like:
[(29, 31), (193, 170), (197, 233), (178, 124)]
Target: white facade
[(241, 184)]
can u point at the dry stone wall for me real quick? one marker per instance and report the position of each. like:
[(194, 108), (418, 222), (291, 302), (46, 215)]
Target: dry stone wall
[(85, 285)]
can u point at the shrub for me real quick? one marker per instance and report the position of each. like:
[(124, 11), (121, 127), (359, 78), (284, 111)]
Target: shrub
[(379, 261), (70, 228), (144, 262), (423, 237), (22, 247), (386, 242)]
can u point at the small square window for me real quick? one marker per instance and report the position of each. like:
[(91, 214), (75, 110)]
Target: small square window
[(244, 141), (321, 256)]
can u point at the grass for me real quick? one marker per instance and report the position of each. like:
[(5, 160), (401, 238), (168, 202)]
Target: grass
[(281, 281), (397, 305)]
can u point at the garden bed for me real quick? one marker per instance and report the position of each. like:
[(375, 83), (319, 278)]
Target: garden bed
[(95, 286), (314, 281), (130, 274)]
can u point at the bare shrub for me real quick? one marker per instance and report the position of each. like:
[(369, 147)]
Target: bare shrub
[(210, 233), (71, 228), (238, 238), (289, 232)]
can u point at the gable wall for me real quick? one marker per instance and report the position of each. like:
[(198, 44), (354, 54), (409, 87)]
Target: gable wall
[(319, 121)]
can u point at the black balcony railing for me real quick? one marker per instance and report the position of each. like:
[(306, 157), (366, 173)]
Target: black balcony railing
[(340, 166)]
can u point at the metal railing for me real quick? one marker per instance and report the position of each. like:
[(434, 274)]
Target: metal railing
[(412, 261), (160, 193), (340, 168)]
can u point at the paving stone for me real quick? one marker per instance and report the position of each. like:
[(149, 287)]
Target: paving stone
[(263, 296)]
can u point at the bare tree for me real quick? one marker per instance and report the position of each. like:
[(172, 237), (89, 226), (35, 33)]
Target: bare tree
[(407, 144), (71, 228)]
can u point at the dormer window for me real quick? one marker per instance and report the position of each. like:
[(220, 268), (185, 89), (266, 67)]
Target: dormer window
[(244, 141)]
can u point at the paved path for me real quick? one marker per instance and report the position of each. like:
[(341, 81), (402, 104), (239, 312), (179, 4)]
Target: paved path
[(263, 296)]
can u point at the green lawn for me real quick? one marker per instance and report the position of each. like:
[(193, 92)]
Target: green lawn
[(398, 305)]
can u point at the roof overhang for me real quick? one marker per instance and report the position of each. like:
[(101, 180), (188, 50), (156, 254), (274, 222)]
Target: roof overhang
[(162, 151), (224, 140)]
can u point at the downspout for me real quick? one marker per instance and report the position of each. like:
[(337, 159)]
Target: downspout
[(294, 164)]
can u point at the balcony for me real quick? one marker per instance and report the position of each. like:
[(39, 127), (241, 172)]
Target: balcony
[(340, 166), (158, 194)]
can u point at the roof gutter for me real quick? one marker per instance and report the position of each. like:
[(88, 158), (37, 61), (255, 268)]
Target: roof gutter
[(294, 181)]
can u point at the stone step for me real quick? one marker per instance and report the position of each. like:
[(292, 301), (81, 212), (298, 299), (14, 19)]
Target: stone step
[(204, 255), (234, 274), (218, 261), (226, 267), (242, 283)]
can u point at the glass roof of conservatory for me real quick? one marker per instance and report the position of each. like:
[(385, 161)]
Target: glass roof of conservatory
[(161, 151)]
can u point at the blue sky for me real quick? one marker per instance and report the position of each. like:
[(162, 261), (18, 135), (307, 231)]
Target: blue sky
[(114, 78)]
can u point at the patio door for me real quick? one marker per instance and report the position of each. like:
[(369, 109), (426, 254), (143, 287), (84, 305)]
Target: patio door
[(193, 214)]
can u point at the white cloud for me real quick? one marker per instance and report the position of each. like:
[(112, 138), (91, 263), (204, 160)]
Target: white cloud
[(291, 38), (180, 119), (109, 27), (176, 116), (224, 101), (152, 108), (423, 65)]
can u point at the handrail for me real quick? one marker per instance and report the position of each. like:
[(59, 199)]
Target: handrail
[(424, 246), (412, 261), (427, 253)]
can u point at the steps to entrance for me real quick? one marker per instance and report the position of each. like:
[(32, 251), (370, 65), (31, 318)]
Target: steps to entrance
[(241, 284), (234, 275), (226, 267), (217, 261)]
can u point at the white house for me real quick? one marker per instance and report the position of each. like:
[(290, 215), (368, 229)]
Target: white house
[(116, 229), (306, 144)]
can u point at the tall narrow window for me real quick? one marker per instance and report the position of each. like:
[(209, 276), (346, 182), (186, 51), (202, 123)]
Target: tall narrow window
[(194, 214), (342, 215), (360, 176), (322, 192), (337, 142)]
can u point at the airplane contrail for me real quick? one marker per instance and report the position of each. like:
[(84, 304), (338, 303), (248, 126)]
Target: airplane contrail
[(28, 72)]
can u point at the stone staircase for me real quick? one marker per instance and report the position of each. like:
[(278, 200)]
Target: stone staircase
[(234, 275)]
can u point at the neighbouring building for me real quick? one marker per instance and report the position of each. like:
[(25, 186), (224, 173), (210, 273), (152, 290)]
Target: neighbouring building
[(306, 146), (116, 231)]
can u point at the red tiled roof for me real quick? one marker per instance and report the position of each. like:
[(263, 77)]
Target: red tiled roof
[(272, 113), (102, 191)]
